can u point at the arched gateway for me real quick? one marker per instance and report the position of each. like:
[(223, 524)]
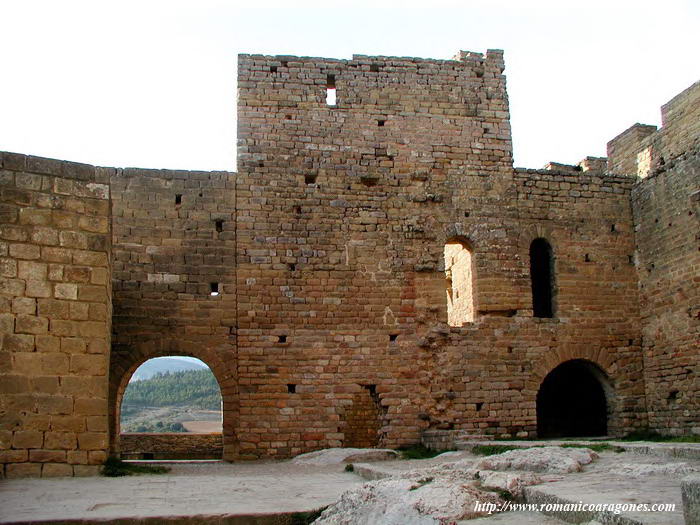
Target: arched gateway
[(572, 401)]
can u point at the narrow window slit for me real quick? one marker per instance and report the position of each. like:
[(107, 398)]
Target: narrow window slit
[(291, 388), (291, 267), (479, 406), (542, 278), (393, 337), (273, 69), (219, 225), (178, 199), (330, 90), (213, 289)]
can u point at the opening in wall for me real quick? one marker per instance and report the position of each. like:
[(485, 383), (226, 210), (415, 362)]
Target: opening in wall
[(167, 401), (459, 282), (213, 289), (330, 90), (542, 278)]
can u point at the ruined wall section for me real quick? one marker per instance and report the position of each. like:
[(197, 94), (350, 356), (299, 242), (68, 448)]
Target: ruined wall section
[(642, 150), (667, 219), (55, 316), (174, 244), (343, 214)]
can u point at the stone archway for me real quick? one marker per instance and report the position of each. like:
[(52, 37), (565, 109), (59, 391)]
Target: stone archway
[(124, 362), (573, 401)]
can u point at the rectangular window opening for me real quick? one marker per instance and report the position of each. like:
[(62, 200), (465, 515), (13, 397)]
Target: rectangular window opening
[(291, 388), (219, 226), (330, 90), (381, 123), (213, 289), (273, 69), (178, 199), (281, 338), (393, 337), (310, 179)]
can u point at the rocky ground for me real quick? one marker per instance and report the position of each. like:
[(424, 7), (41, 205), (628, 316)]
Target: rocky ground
[(375, 490)]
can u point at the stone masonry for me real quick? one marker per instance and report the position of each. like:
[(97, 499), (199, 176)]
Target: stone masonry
[(363, 278)]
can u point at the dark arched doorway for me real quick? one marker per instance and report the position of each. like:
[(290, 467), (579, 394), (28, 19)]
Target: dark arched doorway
[(571, 401)]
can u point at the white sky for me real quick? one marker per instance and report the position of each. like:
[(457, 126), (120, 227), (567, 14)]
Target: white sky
[(152, 83)]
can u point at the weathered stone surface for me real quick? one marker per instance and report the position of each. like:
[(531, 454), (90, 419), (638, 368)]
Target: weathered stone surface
[(540, 459), (331, 456), (690, 491), (418, 501)]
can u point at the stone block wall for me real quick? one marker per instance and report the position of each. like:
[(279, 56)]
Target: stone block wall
[(314, 282), (55, 316), (484, 376), (343, 212), (174, 268), (667, 218), (666, 205), (171, 446)]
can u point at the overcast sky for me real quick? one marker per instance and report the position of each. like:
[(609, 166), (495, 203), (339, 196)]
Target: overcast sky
[(153, 84)]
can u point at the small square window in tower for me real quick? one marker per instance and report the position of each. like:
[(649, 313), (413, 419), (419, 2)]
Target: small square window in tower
[(330, 90)]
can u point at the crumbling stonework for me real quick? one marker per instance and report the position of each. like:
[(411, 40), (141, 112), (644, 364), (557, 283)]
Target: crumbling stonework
[(316, 282)]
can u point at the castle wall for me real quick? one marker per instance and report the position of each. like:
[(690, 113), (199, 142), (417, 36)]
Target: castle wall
[(174, 235), (665, 203), (314, 282), (55, 316), (484, 376), (667, 210), (341, 231), (342, 225)]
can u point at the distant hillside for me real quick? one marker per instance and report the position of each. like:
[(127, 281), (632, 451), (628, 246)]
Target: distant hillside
[(162, 365), (192, 388)]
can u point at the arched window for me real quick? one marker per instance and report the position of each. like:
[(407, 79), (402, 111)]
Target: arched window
[(167, 400), (542, 276), (459, 277)]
